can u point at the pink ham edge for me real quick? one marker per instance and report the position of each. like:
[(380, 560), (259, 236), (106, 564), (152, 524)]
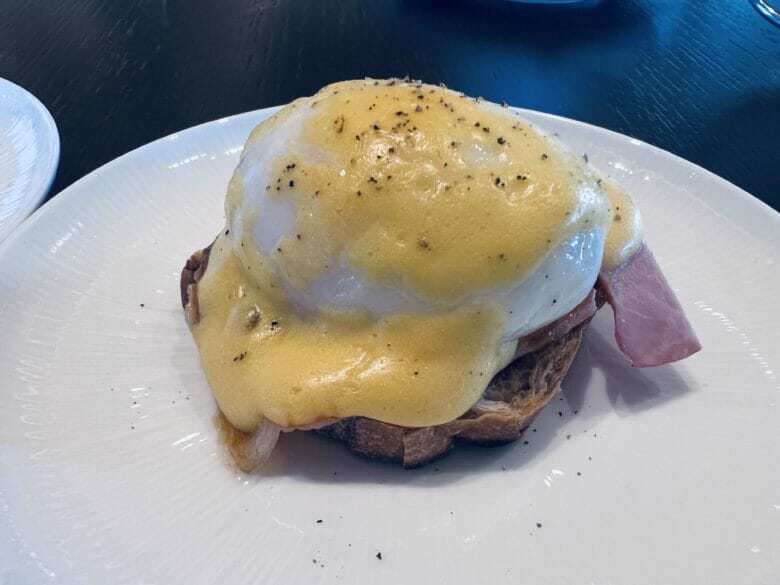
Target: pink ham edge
[(651, 328)]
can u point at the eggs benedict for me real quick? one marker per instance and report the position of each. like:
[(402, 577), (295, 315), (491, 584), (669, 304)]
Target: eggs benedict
[(402, 266)]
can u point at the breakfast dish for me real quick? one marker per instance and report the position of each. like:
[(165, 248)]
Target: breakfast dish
[(403, 266)]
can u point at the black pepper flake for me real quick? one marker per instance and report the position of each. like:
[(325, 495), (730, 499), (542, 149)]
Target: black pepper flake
[(298, 236), (560, 413), (372, 180), (339, 122), (418, 108), (290, 167), (579, 473), (417, 373), (501, 140), (538, 524), (424, 244), (359, 193), (521, 177), (504, 105), (240, 357), (274, 325), (379, 555), (401, 113), (555, 301), (585, 157), (486, 129), (391, 150), (291, 183), (279, 250), (142, 305), (227, 232), (476, 124), (319, 521), (568, 437), (375, 127), (544, 156), (498, 181)]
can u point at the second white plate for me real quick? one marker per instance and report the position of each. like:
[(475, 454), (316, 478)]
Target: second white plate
[(29, 154)]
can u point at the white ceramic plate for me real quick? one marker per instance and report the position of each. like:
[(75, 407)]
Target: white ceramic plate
[(29, 154), (110, 469)]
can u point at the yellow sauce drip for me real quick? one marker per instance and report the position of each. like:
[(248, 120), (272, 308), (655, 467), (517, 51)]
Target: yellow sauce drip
[(625, 233), (262, 359)]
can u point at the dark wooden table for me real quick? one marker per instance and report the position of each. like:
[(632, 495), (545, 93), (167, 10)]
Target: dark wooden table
[(700, 78)]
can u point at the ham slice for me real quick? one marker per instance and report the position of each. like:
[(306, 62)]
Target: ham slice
[(650, 325), (557, 329)]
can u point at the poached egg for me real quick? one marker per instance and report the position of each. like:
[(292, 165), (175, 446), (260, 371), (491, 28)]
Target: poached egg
[(386, 244)]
